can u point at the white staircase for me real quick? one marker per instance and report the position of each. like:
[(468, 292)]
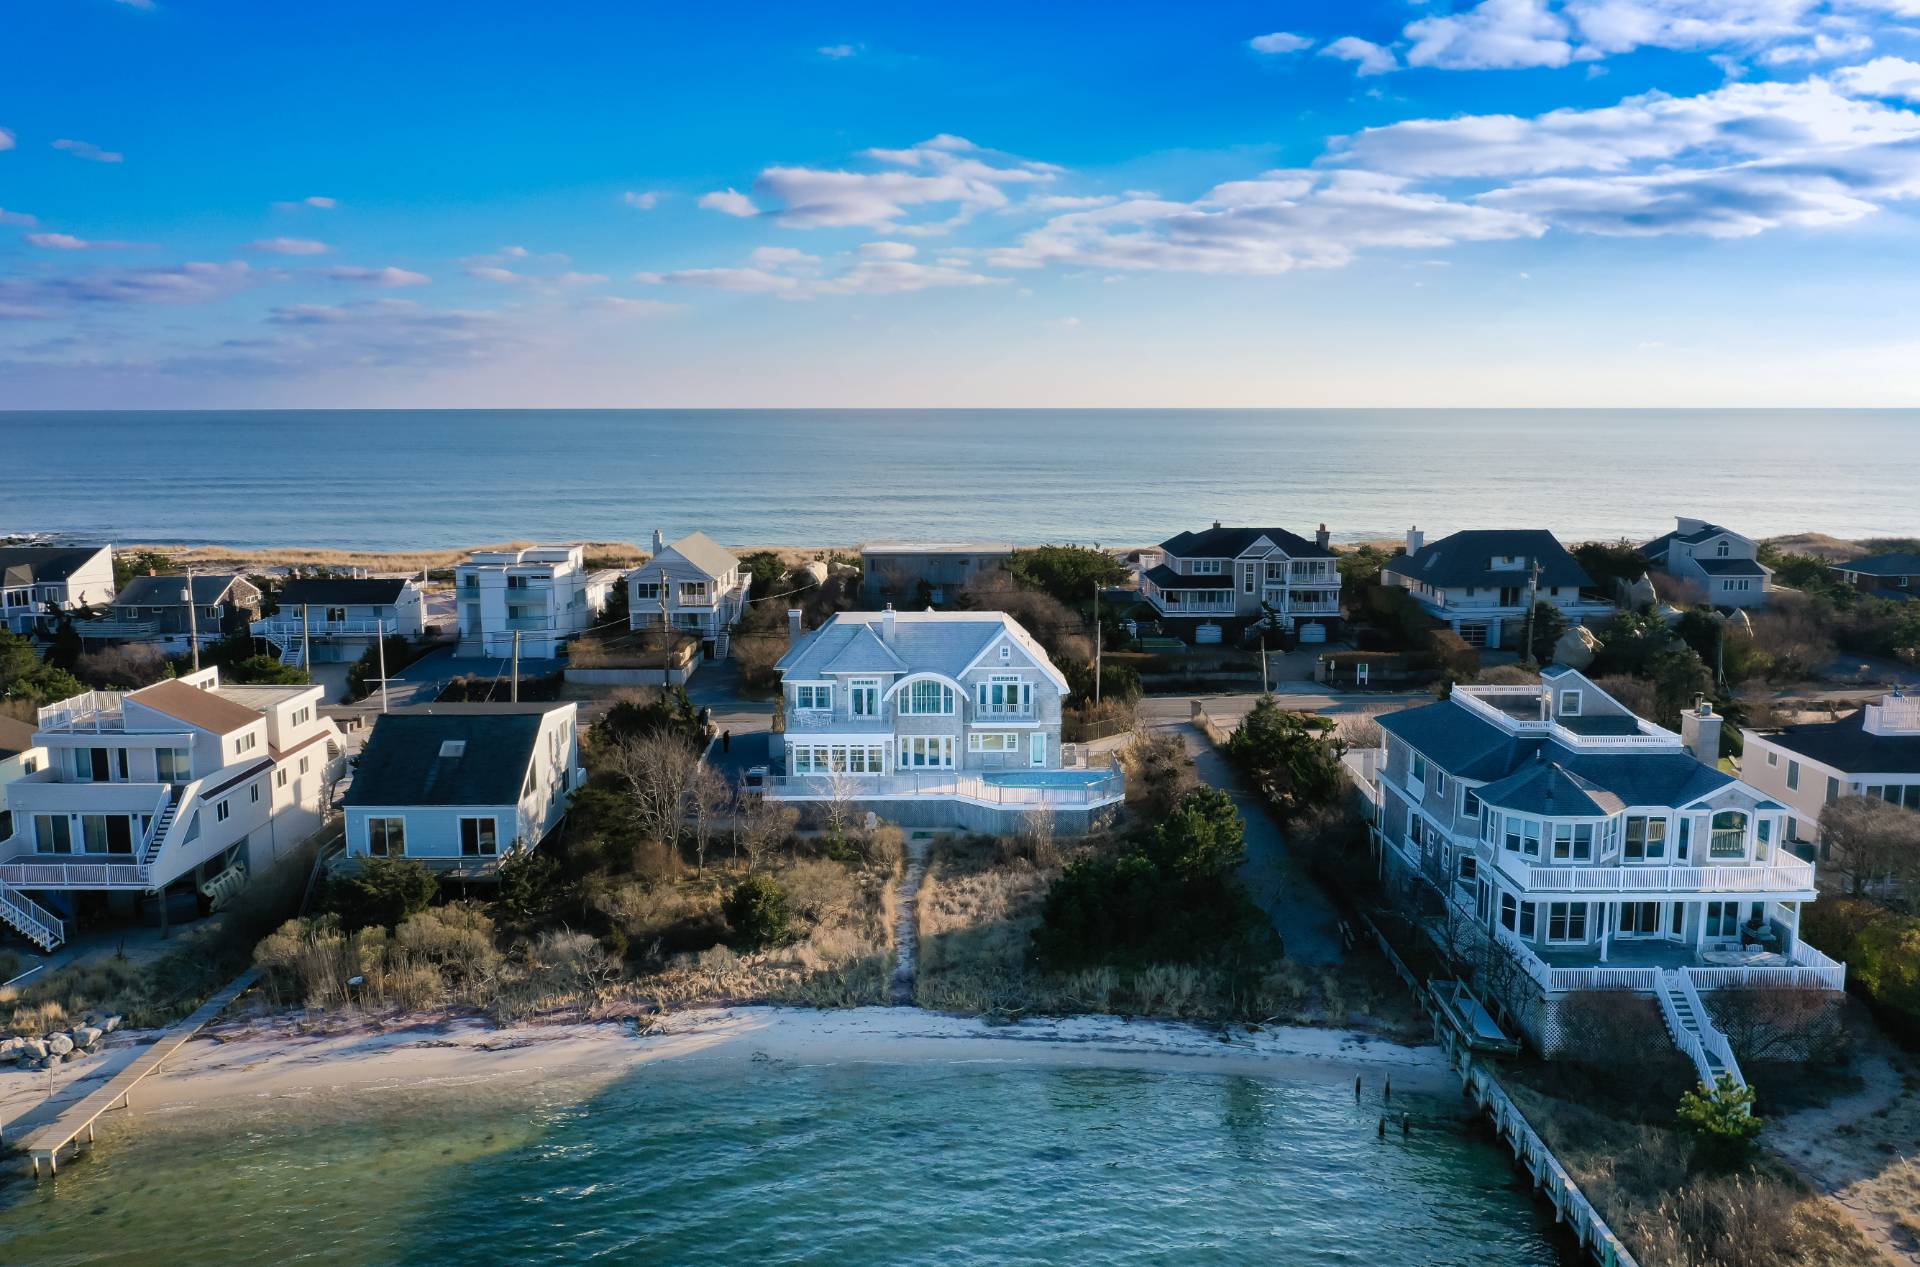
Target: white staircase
[(33, 921), (157, 834), (291, 652), (1693, 1029)]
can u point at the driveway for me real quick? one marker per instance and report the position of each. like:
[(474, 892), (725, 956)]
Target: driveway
[(716, 685)]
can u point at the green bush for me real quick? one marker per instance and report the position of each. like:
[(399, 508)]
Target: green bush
[(1721, 1122), (383, 892), (262, 670), (758, 912), (1881, 949), (1293, 757)]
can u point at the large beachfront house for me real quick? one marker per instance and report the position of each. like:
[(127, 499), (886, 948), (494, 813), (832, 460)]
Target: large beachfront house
[(693, 585), (20, 755), (462, 786), (1482, 583), (1584, 848), (1723, 565), (1213, 585), (336, 619), (157, 609), (930, 719), (35, 578), (185, 785), (1874, 752), (531, 600), (921, 574), (1895, 576)]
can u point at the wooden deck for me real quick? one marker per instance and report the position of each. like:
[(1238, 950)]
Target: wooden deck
[(43, 1133)]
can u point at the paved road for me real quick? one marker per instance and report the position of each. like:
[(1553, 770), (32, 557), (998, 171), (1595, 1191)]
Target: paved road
[(1309, 697), (716, 685)]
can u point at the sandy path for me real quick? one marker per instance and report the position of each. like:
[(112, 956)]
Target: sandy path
[(906, 926)]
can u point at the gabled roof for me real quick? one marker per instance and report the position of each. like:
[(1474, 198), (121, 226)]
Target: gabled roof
[(946, 643), (1658, 547), (1168, 579), (344, 591), (407, 760), (702, 552), (170, 591), (1883, 565), (1463, 560), (1231, 543), (1848, 746), (190, 704), (16, 737), (1731, 567), (36, 565)]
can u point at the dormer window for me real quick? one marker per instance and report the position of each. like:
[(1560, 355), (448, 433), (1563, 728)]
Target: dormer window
[(1729, 839), (1570, 703), (1723, 549)]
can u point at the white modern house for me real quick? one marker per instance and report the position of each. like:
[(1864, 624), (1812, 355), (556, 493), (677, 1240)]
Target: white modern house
[(185, 784), (20, 755), (1213, 585), (693, 585), (1874, 752), (1723, 565), (463, 786), (32, 578), (1482, 583), (931, 719), (531, 600), (336, 619), (1591, 850)]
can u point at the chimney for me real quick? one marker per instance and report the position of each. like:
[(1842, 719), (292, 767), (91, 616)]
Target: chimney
[(886, 625), (659, 541), (1322, 537), (794, 627), (1415, 540), (1700, 731), (1216, 523)]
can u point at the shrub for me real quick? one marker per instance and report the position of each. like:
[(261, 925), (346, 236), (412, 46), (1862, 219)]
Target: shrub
[(1293, 757), (1721, 1122), (758, 913), (381, 893), (262, 670), (1881, 949)]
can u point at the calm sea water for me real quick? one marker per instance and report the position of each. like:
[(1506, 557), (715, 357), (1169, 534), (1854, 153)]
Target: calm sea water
[(736, 1162), (389, 480)]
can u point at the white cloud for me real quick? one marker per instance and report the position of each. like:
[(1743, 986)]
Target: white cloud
[(839, 52), (87, 150), (781, 257), (888, 251), (67, 242), (729, 202), (492, 273), (1494, 33), (381, 278), (17, 217), (944, 170), (1821, 48), (874, 268), (489, 272), (289, 246), (1882, 77), (1279, 42), (321, 201), (6, 140), (745, 281), (179, 284), (641, 200), (1368, 58), (636, 307), (1067, 202)]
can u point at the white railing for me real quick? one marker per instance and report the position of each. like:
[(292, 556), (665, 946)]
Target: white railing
[(279, 628), (72, 875), (1711, 1039), (1761, 976), (956, 785), (94, 711), (36, 922), (1685, 1039), (1600, 978), (1781, 877)]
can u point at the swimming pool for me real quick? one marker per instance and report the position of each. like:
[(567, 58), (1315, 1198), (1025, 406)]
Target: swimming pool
[(1049, 778)]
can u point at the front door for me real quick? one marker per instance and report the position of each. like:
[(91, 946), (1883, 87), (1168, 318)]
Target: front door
[(1360, 673), (1039, 748)]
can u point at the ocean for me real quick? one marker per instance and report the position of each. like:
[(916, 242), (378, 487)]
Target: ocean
[(720, 1162), (398, 480)]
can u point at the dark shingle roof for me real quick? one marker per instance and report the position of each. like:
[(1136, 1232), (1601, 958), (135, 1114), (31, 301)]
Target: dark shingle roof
[(374, 591), (1846, 746), (1228, 543), (1462, 560), (15, 737), (1883, 565), (170, 591), (402, 762), (1168, 579), (36, 565), (1550, 790), (1731, 567)]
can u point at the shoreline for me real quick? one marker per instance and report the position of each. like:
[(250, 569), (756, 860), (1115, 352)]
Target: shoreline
[(282, 1055)]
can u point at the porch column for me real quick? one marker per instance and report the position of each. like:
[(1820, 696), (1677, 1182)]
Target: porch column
[(1606, 928), (1699, 925)]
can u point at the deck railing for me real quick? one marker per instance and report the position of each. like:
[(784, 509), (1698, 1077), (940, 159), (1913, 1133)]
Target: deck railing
[(956, 784), (1774, 877)]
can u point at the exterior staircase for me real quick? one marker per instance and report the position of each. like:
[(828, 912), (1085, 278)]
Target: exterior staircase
[(33, 921), (292, 651), (158, 833), (1694, 1031)]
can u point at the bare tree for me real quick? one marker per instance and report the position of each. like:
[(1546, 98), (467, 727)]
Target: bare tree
[(1038, 830), (709, 798), (842, 790), (1870, 842), (658, 772), (761, 826)]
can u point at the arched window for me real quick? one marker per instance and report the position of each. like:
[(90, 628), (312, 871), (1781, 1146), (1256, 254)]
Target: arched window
[(1729, 835)]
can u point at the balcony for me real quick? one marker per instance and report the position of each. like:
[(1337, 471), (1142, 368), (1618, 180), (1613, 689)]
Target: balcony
[(1636, 965), (278, 628), (1004, 790), (1785, 880)]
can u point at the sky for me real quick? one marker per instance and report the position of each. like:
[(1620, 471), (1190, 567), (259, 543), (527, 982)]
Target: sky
[(1502, 203)]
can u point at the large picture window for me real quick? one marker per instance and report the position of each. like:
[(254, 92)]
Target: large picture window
[(1646, 839), (927, 697), (919, 752), (1729, 839), (1573, 842), (479, 837), (387, 837)]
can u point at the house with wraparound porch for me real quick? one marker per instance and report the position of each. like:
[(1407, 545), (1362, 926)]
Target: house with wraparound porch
[(1482, 583)]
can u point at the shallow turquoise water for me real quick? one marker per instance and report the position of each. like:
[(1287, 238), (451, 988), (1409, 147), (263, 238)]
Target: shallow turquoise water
[(733, 1161)]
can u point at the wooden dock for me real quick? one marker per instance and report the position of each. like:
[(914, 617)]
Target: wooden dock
[(43, 1141)]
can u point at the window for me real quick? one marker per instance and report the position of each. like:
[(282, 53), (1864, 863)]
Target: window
[(863, 695), (1468, 867), (1206, 567), (1523, 836), (303, 764), (253, 793), (646, 591), (1640, 919), (222, 811), (247, 742), (1833, 790), (1729, 839), (174, 764), (1793, 775), (926, 751), (387, 837), (1517, 916), (1723, 549), (479, 837), (1417, 773), (813, 699), (301, 716), (1004, 695), (30, 765), (1573, 842), (1646, 839), (1442, 785), (1566, 921), (693, 593), (53, 833), (1570, 703), (1247, 583), (927, 697), (280, 778), (1006, 654), (336, 615), (1723, 919), (1469, 802), (993, 741)]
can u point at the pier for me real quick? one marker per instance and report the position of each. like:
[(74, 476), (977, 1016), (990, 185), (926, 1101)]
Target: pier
[(45, 1132)]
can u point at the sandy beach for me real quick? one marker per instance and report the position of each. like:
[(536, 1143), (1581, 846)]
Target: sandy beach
[(285, 1055)]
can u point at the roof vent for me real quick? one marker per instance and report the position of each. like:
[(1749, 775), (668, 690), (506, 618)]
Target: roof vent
[(453, 748)]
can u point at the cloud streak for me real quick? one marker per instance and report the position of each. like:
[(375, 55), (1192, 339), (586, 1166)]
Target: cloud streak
[(88, 150)]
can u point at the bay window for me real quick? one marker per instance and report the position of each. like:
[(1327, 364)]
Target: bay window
[(1573, 842), (1646, 838), (1523, 836)]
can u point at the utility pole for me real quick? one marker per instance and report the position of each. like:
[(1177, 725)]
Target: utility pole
[(1096, 642), (306, 640), (1533, 600), (382, 627), (516, 667), (193, 623)]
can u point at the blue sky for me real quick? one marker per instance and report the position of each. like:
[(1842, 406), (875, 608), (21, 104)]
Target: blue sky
[(1512, 202)]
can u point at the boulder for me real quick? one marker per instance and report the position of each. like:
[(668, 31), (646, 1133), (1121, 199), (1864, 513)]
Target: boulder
[(59, 1044), (109, 1025), (12, 1049), (1641, 593), (35, 1048), (86, 1036), (1576, 648)]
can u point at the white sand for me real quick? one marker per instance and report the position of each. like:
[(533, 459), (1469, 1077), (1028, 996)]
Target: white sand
[(251, 1058)]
